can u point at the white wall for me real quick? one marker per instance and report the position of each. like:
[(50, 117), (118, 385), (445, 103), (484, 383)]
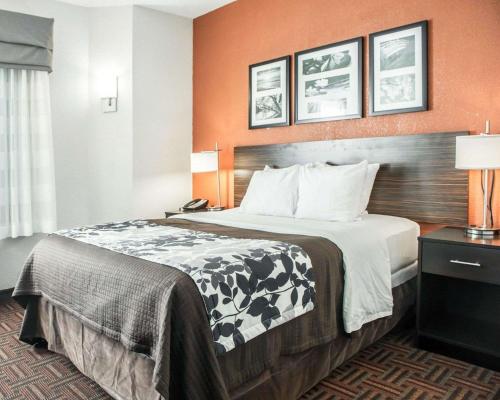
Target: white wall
[(110, 153), (162, 79), (139, 156), (133, 163), (69, 98)]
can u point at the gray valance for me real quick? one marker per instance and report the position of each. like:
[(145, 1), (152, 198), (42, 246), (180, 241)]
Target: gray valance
[(26, 41)]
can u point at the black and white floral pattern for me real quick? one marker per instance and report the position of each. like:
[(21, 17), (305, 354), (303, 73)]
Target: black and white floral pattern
[(248, 286)]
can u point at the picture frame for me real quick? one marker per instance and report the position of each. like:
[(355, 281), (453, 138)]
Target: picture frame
[(398, 70), (269, 93), (329, 82)]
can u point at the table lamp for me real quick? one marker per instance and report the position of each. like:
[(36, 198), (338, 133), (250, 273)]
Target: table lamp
[(480, 152), (208, 161)]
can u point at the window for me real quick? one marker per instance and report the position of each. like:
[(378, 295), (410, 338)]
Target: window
[(27, 188)]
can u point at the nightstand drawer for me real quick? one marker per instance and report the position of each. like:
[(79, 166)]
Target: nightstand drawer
[(459, 261)]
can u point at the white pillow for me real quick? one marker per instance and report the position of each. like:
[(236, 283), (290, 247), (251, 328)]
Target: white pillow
[(316, 164), (371, 174), (272, 192), (269, 168), (333, 193)]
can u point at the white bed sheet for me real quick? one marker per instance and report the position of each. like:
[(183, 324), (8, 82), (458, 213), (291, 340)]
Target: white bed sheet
[(374, 248)]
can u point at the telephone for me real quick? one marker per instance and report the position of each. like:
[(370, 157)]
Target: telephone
[(196, 204)]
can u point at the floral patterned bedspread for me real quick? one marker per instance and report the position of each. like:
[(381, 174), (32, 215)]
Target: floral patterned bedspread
[(248, 286)]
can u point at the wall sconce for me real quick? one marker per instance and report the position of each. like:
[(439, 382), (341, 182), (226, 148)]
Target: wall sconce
[(108, 89)]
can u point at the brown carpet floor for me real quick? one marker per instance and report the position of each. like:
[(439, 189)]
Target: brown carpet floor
[(389, 369)]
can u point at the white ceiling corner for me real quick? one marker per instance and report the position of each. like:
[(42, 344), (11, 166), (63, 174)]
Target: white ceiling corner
[(185, 8)]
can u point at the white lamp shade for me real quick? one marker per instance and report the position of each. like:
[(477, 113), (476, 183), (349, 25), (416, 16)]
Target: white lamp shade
[(204, 162), (108, 86), (478, 152)]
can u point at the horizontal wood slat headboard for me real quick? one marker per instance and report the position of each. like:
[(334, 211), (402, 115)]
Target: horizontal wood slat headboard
[(417, 177)]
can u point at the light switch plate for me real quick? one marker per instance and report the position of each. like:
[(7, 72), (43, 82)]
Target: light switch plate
[(109, 105)]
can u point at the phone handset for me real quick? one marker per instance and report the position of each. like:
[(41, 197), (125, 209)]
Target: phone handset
[(196, 204)]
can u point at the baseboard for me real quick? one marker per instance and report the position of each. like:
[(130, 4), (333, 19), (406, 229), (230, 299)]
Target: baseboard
[(6, 294)]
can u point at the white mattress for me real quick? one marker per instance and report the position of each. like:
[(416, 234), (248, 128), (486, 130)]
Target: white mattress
[(379, 251), (404, 274)]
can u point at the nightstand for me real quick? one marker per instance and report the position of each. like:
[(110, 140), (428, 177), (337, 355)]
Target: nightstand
[(170, 213), (458, 302)]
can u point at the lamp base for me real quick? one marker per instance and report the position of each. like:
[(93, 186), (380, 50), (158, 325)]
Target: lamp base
[(216, 208), (481, 232)]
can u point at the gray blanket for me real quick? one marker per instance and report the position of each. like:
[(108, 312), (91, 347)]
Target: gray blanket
[(248, 286), (158, 311)]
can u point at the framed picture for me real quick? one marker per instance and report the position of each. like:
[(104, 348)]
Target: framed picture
[(269, 101), (329, 82), (398, 70)]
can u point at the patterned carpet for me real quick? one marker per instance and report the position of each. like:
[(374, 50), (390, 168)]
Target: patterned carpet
[(389, 369)]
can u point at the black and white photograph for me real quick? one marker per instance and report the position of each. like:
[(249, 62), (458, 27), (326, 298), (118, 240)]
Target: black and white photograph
[(333, 92), (329, 62), (269, 107), (397, 89), (398, 70), (328, 82), (269, 79), (269, 103), (397, 53)]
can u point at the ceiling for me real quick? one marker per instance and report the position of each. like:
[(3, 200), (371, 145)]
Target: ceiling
[(185, 8)]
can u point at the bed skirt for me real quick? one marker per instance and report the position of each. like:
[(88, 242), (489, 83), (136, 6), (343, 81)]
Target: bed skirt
[(126, 375)]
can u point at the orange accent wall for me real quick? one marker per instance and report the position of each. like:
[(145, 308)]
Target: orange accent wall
[(464, 71)]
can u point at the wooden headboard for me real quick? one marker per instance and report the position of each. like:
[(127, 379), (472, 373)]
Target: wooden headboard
[(417, 177)]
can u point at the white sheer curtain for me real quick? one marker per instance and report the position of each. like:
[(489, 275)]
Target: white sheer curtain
[(27, 184)]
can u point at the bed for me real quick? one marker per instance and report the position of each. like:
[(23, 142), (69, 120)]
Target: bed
[(141, 330)]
